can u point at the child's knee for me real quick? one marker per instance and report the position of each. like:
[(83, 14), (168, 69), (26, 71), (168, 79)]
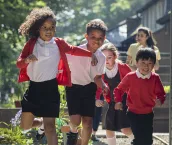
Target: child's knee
[(87, 125), (49, 127), (25, 127)]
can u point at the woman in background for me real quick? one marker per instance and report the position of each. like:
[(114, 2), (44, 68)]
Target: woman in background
[(144, 38)]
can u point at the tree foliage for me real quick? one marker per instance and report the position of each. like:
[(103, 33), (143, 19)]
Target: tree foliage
[(72, 20)]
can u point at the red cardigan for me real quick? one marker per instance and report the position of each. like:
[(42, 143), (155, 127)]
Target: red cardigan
[(141, 93), (123, 70), (64, 77)]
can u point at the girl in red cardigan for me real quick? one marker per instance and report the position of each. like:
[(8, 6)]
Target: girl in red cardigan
[(43, 61), (115, 70)]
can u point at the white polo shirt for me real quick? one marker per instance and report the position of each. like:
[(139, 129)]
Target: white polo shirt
[(48, 56), (82, 72)]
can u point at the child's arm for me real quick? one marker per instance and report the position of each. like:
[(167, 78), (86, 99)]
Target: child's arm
[(99, 103), (119, 92), (99, 91), (21, 59), (74, 50), (101, 85), (121, 89), (159, 90), (102, 88)]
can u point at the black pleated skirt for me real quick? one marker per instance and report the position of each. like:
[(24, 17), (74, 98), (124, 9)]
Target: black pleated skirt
[(42, 99), (117, 119)]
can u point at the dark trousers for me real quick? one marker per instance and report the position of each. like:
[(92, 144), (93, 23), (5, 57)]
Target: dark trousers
[(97, 118), (142, 128)]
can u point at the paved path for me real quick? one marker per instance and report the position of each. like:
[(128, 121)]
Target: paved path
[(123, 140)]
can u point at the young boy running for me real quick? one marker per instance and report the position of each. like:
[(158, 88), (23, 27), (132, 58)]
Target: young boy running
[(81, 96), (144, 90)]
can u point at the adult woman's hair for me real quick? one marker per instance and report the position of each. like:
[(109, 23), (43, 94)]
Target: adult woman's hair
[(144, 39), (151, 42)]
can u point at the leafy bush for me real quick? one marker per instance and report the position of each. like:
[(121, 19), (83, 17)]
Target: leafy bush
[(167, 89), (12, 135)]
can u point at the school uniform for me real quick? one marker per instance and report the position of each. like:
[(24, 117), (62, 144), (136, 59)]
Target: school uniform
[(42, 97), (81, 95), (115, 119), (142, 91)]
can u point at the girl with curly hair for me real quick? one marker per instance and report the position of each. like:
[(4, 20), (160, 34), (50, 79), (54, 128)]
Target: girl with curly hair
[(43, 62)]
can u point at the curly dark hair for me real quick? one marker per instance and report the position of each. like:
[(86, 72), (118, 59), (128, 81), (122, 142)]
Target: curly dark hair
[(96, 24), (35, 20)]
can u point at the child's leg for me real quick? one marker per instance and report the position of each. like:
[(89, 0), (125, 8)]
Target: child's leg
[(75, 121), (142, 127), (96, 122), (96, 119), (128, 132), (111, 138), (40, 132), (87, 129), (27, 121), (50, 130), (41, 128), (72, 136)]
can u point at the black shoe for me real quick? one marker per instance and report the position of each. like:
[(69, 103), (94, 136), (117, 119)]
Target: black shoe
[(72, 138), (94, 138), (39, 136)]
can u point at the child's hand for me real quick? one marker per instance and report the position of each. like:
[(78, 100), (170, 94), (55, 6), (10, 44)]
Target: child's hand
[(158, 103), (94, 60), (30, 58), (118, 106), (99, 103)]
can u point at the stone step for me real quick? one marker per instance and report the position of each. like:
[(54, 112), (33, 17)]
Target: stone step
[(164, 60), (165, 77), (166, 83), (164, 69)]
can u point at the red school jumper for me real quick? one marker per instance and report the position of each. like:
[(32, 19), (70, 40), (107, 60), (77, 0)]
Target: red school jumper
[(123, 70), (141, 93), (64, 75)]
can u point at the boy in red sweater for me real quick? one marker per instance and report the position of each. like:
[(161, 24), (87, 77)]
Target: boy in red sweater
[(144, 91)]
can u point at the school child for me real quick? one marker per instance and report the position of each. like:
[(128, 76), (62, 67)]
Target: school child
[(144, 38), (144, 91), (43, 62), (115, 71), (98, 110), (81, 96)]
